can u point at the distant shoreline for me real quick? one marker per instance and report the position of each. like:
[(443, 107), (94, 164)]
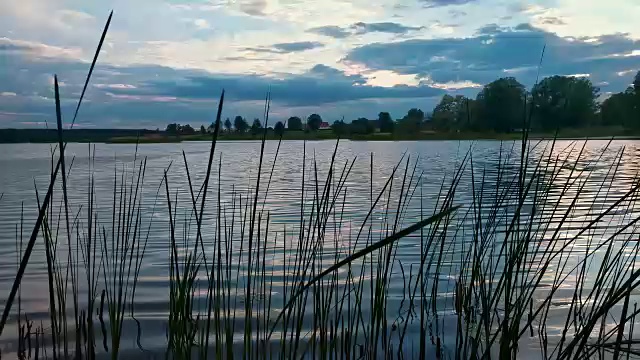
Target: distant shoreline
[(127, 136)]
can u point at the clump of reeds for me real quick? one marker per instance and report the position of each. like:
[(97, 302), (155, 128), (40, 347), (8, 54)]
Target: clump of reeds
[(528, 254)]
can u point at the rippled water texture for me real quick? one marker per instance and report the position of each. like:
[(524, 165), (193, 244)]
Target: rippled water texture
[(26, 166)]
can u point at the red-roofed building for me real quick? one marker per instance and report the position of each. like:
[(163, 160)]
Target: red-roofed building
[(324, 126)]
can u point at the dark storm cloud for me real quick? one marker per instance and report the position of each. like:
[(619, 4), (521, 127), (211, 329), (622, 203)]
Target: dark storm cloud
[(297, 46), (360, 28), (490, 29), (331, 30), (384, 27), (320, 85), (284, 48), (150, 96), (496, 52)]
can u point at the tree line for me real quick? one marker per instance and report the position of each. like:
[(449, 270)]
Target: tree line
[(501, 106), (240, 125), (555, 102)]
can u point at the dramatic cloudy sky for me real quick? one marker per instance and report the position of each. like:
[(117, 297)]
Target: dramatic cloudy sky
[(167, 60)]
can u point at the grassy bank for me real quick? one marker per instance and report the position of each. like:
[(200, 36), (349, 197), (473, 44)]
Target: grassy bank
[(574, 134), (147, 136)]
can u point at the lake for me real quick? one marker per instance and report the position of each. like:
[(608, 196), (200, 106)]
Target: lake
[(573, 196)]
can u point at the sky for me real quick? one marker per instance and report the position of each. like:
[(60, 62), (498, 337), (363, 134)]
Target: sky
[(167, 61)]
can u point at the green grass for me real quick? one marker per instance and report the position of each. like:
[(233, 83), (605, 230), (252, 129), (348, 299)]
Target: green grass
[(534, 233)]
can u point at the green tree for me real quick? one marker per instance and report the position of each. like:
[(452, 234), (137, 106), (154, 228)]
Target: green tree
[(361, 126), (173, 128), (294, 123), (339, 128), (278, 128), (451, 113), (385, 122), (501, 105), (256, 127), (618, 109), (212, 127), (227, 125), (563, 101), (412, 122), (313, 122), (240, 124), (636, 101), (187, 130), (202, 130), (623, 108)]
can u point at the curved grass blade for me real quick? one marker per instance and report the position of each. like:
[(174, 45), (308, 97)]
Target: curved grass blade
[(43, 209), (93, 64), (369, 249)]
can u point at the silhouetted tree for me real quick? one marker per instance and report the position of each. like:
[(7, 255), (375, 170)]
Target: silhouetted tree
[(385, 122), (451, 113), (173, 128), (294, 123), (636, 101), (313, 122), (227, 125), (618, 109), (256, 126), (202, 130), (501, 105), (278, 128), (623, 108), (212, 127), (564, 101), (339, 128), (187, 130), (412, 122), (361, 126), (240, 124)]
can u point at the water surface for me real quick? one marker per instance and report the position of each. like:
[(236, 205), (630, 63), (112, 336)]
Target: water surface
[(27, 166)]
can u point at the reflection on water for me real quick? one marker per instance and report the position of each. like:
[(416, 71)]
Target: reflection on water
[(571, 176)]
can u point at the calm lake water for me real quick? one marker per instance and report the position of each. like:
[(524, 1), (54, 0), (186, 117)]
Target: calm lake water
[(23, 166)]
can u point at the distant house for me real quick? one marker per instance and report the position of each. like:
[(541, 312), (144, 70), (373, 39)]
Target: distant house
[(325, 126)]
